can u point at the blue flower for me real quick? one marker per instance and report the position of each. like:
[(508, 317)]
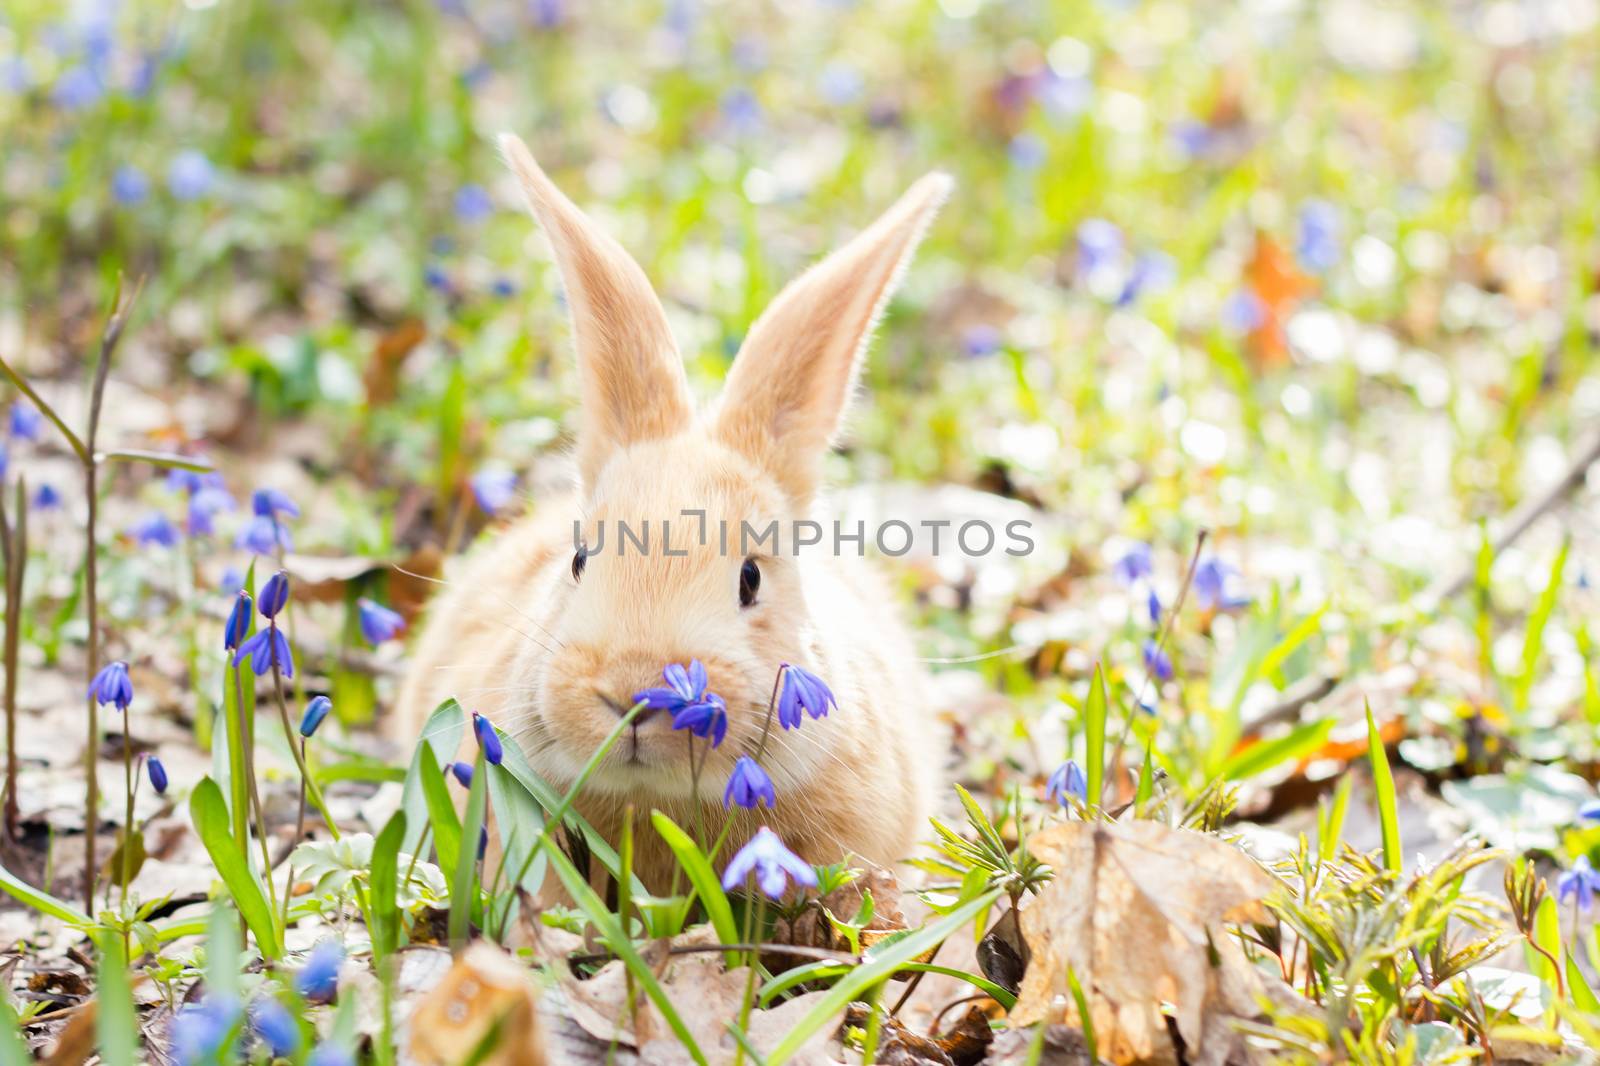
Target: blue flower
[(268, 648), (1068, 780), (488, 739), (1317, 243), (238, 627), (1027, 151), (463, 773), (1243, 312), (1590, 811), (200, 1030), (494, 489), (840, 84), (158, 774), (1152, 272), (1216, 586), (1099, 245), (274, 595), (155, 530), (26, 421), (331, 1055), (378, 623), (685, 685), (1580, 883), (773, 864), (46, 498), (705, 718), (112, 685), (473, 203), (741, 111), (503, 287), (434, 277), (264, 535), (318, 979), (802, 691), (232, 578), (273, 503), (749, 785), (190, 175), (980, 340), (76, 88), (315, 712), (1133, 564), (276, 1027), (1153, 606), (1157, 661), (129, 186)]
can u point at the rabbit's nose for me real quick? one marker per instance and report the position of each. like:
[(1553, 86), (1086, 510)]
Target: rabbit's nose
[(622, 707)]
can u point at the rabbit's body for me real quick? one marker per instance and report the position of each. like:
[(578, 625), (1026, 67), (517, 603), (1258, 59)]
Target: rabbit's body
[(551, 644)]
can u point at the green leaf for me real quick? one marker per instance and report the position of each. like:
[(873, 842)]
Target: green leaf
[(1383, 788), (516, 808), (1094, 723), (116, 1023), (13, 1052), (222, 951), (1090, 1044), (1583, 996), (1264, 755), (1303, 630), (1147, 783), (441, 735), (386, 886), (464, 888), (881, 966), (620, 944), (1538, 619), (42, 901), (442, 814), (703, 879), (210, 814)]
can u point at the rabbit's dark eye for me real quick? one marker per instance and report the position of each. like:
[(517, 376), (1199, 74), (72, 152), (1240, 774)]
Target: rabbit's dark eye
[(578, 560), (749, 582)]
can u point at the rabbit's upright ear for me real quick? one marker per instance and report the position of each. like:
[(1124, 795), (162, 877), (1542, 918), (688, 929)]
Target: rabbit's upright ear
[(632, 380), (792, 379)]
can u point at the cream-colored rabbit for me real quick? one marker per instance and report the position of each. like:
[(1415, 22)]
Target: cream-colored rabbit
[(550, 644)]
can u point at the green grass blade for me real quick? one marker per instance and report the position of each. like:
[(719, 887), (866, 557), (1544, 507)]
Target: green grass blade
[(1533, 640), (1094, 723), (464, 887), (210, 814), (1147, 783), (1383, 788), (1263, 756), (1303, 631), (1090, 1043), (882, 965), (1330, 825), (386, 886), (442, 813), (702, 878), (620, 944), (116, 1024), (41, 901), (441, 735)]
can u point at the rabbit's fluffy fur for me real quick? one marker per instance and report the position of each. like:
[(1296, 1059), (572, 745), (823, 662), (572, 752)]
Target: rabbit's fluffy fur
[(548, 656)]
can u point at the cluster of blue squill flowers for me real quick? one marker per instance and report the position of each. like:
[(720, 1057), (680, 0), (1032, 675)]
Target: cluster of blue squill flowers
[(202, 1031), (704, 714)]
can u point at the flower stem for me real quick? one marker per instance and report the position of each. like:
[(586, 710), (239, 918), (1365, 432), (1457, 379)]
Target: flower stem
[(248, 770), (772, 707), (127, 822), (752, 936), (307, 785)]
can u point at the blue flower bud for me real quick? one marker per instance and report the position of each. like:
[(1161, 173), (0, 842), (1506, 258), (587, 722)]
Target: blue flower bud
[(488, 739), (316, 711), (274, 595), (238, 627), (158, 774)]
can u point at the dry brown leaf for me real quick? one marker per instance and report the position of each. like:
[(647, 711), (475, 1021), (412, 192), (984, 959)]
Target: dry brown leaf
[(486, 987), (1134, 912)]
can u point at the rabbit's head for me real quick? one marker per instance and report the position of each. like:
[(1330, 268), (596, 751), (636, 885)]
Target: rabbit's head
[(701, 487)]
